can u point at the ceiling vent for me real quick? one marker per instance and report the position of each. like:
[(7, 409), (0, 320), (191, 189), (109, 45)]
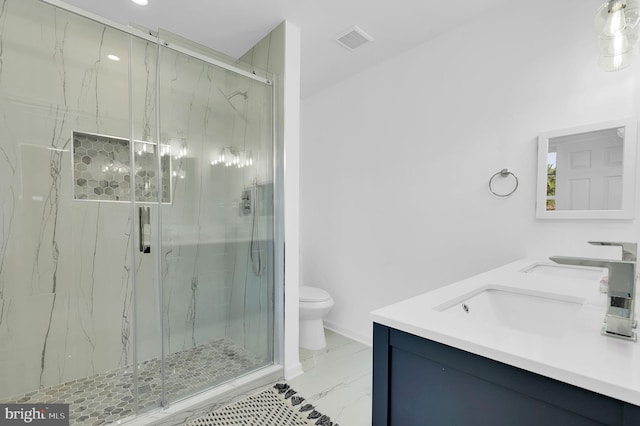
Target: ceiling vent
[(353, 38)]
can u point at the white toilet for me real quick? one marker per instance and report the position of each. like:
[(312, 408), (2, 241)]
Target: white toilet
[(315, 303)]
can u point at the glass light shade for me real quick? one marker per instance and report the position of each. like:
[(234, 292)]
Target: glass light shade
[(616, 62), (617, 45), (616, 17)]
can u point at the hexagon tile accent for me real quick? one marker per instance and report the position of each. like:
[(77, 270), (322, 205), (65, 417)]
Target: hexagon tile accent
[(108, 397), (101, 169)]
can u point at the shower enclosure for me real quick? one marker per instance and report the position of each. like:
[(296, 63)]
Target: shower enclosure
[(136, 230)]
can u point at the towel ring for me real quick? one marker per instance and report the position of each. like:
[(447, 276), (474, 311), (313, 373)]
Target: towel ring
[(503, 173)]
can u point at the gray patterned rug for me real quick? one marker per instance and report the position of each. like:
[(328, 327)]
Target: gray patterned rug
[(277, 406)]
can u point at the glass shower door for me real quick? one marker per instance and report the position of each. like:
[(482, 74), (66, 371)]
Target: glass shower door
[(216, 223), (66, 289), (136, 254), (151, 189)]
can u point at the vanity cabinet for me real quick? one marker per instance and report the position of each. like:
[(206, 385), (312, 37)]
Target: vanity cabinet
[(417, 381)]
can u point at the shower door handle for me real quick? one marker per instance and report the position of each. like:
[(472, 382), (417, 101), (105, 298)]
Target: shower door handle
[(144, 215)]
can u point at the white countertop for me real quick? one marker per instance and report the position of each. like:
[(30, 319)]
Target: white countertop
[(580, 356)]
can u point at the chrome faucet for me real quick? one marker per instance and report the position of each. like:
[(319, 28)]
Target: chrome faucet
[(620, 316)]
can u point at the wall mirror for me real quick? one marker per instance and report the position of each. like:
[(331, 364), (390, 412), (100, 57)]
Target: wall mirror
[(587, 172)]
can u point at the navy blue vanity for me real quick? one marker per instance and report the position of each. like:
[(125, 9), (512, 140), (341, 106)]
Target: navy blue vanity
[(417, 381)]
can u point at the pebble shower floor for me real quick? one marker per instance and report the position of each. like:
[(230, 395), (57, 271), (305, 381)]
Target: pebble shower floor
[(108, 397)]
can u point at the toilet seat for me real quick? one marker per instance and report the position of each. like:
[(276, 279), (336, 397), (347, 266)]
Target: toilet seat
[(313, 294)]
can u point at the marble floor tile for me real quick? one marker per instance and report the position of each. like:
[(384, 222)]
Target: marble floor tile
[(337, 380)]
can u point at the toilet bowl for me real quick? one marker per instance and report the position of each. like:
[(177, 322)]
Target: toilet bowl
[(315, 303)]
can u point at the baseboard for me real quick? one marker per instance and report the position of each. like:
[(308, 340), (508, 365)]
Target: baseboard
[(366, 340)]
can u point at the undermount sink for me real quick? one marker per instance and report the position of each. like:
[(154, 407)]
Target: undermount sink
[(566, 271), (548, 325), (527, 311)]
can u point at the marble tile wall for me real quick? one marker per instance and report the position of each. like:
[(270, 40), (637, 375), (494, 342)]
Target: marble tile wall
[(66, 288)]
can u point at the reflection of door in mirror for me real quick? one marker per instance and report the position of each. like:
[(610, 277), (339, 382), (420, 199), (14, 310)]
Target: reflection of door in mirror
[(588, 171)]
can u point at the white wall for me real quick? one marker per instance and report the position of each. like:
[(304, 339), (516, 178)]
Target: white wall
[(395, 161)]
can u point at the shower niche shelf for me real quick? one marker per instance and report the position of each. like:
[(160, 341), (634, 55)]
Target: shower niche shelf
[(102, 169)]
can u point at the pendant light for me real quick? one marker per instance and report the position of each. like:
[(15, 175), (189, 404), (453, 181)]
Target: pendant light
[(616, 27)]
